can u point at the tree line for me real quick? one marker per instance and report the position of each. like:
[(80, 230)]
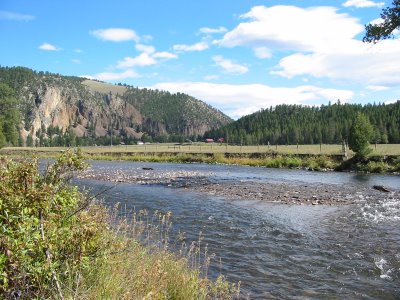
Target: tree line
[(297, 124)]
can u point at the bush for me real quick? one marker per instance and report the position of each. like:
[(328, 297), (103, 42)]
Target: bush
[(44, 232), (55, 242)]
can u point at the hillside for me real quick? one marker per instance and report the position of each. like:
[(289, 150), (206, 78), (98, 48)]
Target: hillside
[(292, 124), (53, 106)]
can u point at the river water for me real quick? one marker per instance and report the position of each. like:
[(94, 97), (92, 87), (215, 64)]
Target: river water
[(279, 251)]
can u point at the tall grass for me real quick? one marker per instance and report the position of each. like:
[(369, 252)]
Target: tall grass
[(59, 243), (141, 265)]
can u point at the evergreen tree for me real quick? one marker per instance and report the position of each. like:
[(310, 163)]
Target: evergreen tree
[(360, 134), (384, 30), (9, 116), (292, 124)]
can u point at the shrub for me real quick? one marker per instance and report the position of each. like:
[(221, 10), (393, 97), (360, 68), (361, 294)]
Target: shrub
[(55, 242), (44, 229)]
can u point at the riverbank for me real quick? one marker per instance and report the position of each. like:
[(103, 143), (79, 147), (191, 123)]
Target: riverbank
[(205, 181), (59, 243), (271, 159)]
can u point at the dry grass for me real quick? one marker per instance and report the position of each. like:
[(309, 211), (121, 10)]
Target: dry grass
[(142, 267), (105, 88), (381, 149)]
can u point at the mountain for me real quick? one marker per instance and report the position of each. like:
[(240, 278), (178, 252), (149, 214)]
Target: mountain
[(327, 124), (52, 104)]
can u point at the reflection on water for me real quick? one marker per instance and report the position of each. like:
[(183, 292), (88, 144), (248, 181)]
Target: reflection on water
[(279, 251)]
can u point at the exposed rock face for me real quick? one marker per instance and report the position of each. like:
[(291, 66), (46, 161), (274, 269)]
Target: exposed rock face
[(92, 108)]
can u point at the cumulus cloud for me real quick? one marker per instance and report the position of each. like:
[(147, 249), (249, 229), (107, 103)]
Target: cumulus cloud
[(309, 29), (239, 100), (324, 44), (200, 46), (262, 52), (377, 88), (145, 48), (110, 76), (363, 3), (11, 16), (48, 47), (363, 63), (76, 61), (142, 60), (165, 55), (115, 34), (208, 30), (229, 66), (151, 51)]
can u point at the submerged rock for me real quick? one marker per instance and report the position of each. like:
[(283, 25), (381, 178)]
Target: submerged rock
[(381, 188)]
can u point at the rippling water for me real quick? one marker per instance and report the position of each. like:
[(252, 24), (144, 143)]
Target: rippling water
[(280, 251)]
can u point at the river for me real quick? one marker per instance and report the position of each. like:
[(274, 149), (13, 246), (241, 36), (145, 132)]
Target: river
[(277, 251)]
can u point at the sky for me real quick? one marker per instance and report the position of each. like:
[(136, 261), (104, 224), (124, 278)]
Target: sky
[(238, 56)]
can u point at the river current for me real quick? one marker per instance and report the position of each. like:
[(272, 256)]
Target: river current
[(279, 251)]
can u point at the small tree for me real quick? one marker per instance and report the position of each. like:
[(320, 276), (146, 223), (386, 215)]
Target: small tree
[(360, 134)]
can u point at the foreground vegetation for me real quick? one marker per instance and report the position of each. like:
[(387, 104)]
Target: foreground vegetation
[(56, 242)]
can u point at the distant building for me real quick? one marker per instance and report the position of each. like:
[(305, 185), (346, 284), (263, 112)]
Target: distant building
[(221, 140), (209, 140), (140, 143)]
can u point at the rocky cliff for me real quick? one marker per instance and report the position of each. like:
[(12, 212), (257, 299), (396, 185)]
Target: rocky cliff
[(96, 109)]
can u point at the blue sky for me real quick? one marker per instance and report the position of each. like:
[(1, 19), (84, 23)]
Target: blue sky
[(238, 56)]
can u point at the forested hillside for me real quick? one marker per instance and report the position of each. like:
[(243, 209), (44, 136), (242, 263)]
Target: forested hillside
[(56, 110), (292, 124)]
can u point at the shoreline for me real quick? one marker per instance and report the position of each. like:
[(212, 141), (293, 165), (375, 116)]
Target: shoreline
[(375, 164), (288, 193)]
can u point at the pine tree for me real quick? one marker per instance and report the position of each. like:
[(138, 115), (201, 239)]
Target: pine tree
[(360, 134)]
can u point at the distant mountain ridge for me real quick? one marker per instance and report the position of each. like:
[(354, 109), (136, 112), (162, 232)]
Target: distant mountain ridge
[(93, 109)]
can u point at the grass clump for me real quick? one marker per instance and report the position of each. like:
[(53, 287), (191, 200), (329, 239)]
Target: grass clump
[(58, 243)]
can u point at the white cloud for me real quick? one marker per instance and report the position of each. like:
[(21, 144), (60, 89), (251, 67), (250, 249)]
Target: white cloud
[(78, 50), (142, 60), (145, 48), (324, 43), (363, 63), (48, 47), (110, 76), (391, 102), (76, 61), (309, 29), (115, 34), (363, 3), (262, 52), (165, 55), (8, 15), (151, 55), (239, 100), (208, 30), (377, 88), (200, 46), (229, 66)]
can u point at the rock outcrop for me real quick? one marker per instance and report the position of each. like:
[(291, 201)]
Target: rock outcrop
[(95, 109)]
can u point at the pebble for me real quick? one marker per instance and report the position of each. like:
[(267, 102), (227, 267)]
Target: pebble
[(287, 193)]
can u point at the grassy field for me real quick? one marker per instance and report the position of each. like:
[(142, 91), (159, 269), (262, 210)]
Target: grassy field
[(380, 149)]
